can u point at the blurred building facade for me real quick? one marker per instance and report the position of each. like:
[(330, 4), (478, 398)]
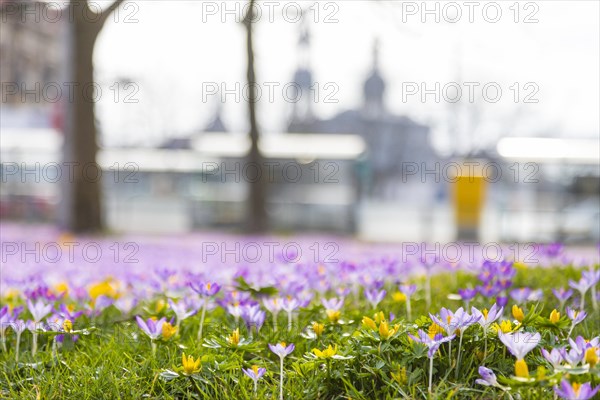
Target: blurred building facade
[(31, 56), (391, 139)]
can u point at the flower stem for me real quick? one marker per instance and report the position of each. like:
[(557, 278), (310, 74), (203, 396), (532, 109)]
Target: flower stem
[(54, 348), (571, 330), (17, 347), (3, 338), (153, 343), (430, 373), (290, 321), (34, 343), (281, 379), (408, 308), (204, 305), (458, 355), (450, 354), (484, 345)]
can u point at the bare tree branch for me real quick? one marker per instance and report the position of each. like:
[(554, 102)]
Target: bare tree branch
[(108, 11)]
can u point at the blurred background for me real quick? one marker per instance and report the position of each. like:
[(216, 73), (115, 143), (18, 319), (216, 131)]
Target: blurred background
[(381, 120)]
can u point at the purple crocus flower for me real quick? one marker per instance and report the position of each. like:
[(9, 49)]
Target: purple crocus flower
[(576, 316), (520, 295), (575, 391), (38, 310), (290, 304), (65, 313), (572, 356), (342, 291), (467, 294), (554, 357), (18, 326), (125, 304), (205, 289), (451, 322), (488, 378), (562, 295), (486, 318), (334, 303), (235, 310), (552, 250), (502, 301), (579, 346), (152, 328), (182, 310), (488, 290), (408, 290), (102, 302), (55, 323), (591, 276), (254, 373), (273, 304), (374, 296), (253, 316), (432, 343), (519, 343), (281, 349)]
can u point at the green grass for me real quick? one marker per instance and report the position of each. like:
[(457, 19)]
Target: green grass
[(115, 360)]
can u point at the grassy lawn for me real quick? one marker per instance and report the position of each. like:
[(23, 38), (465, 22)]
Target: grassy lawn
[(369, 358)]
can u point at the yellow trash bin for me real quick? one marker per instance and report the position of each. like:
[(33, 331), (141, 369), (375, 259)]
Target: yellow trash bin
[(469, 190)]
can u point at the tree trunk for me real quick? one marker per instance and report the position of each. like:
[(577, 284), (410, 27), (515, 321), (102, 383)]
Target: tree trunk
[(82, 211), (256, 213)]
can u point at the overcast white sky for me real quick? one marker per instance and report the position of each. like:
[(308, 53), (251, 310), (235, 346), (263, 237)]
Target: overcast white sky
[(176, 46)]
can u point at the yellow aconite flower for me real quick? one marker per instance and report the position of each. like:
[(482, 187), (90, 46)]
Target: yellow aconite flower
[(318, 328), (333, 315), (379, 317), (11, 294), (61, 287), (519, 265), (385, 332), (168, 330), (591, 357), (521, 369), (517, 312), (400, 376), (189, 365), (234, 338), (160, 305), (67, 325), (326, 353), (505, 326), (434, 329), (399, 297), (540, 373), (369, 323), (554, 316), (102, 289)]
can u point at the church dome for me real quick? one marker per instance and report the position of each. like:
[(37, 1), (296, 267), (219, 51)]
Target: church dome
[(374, 87)]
